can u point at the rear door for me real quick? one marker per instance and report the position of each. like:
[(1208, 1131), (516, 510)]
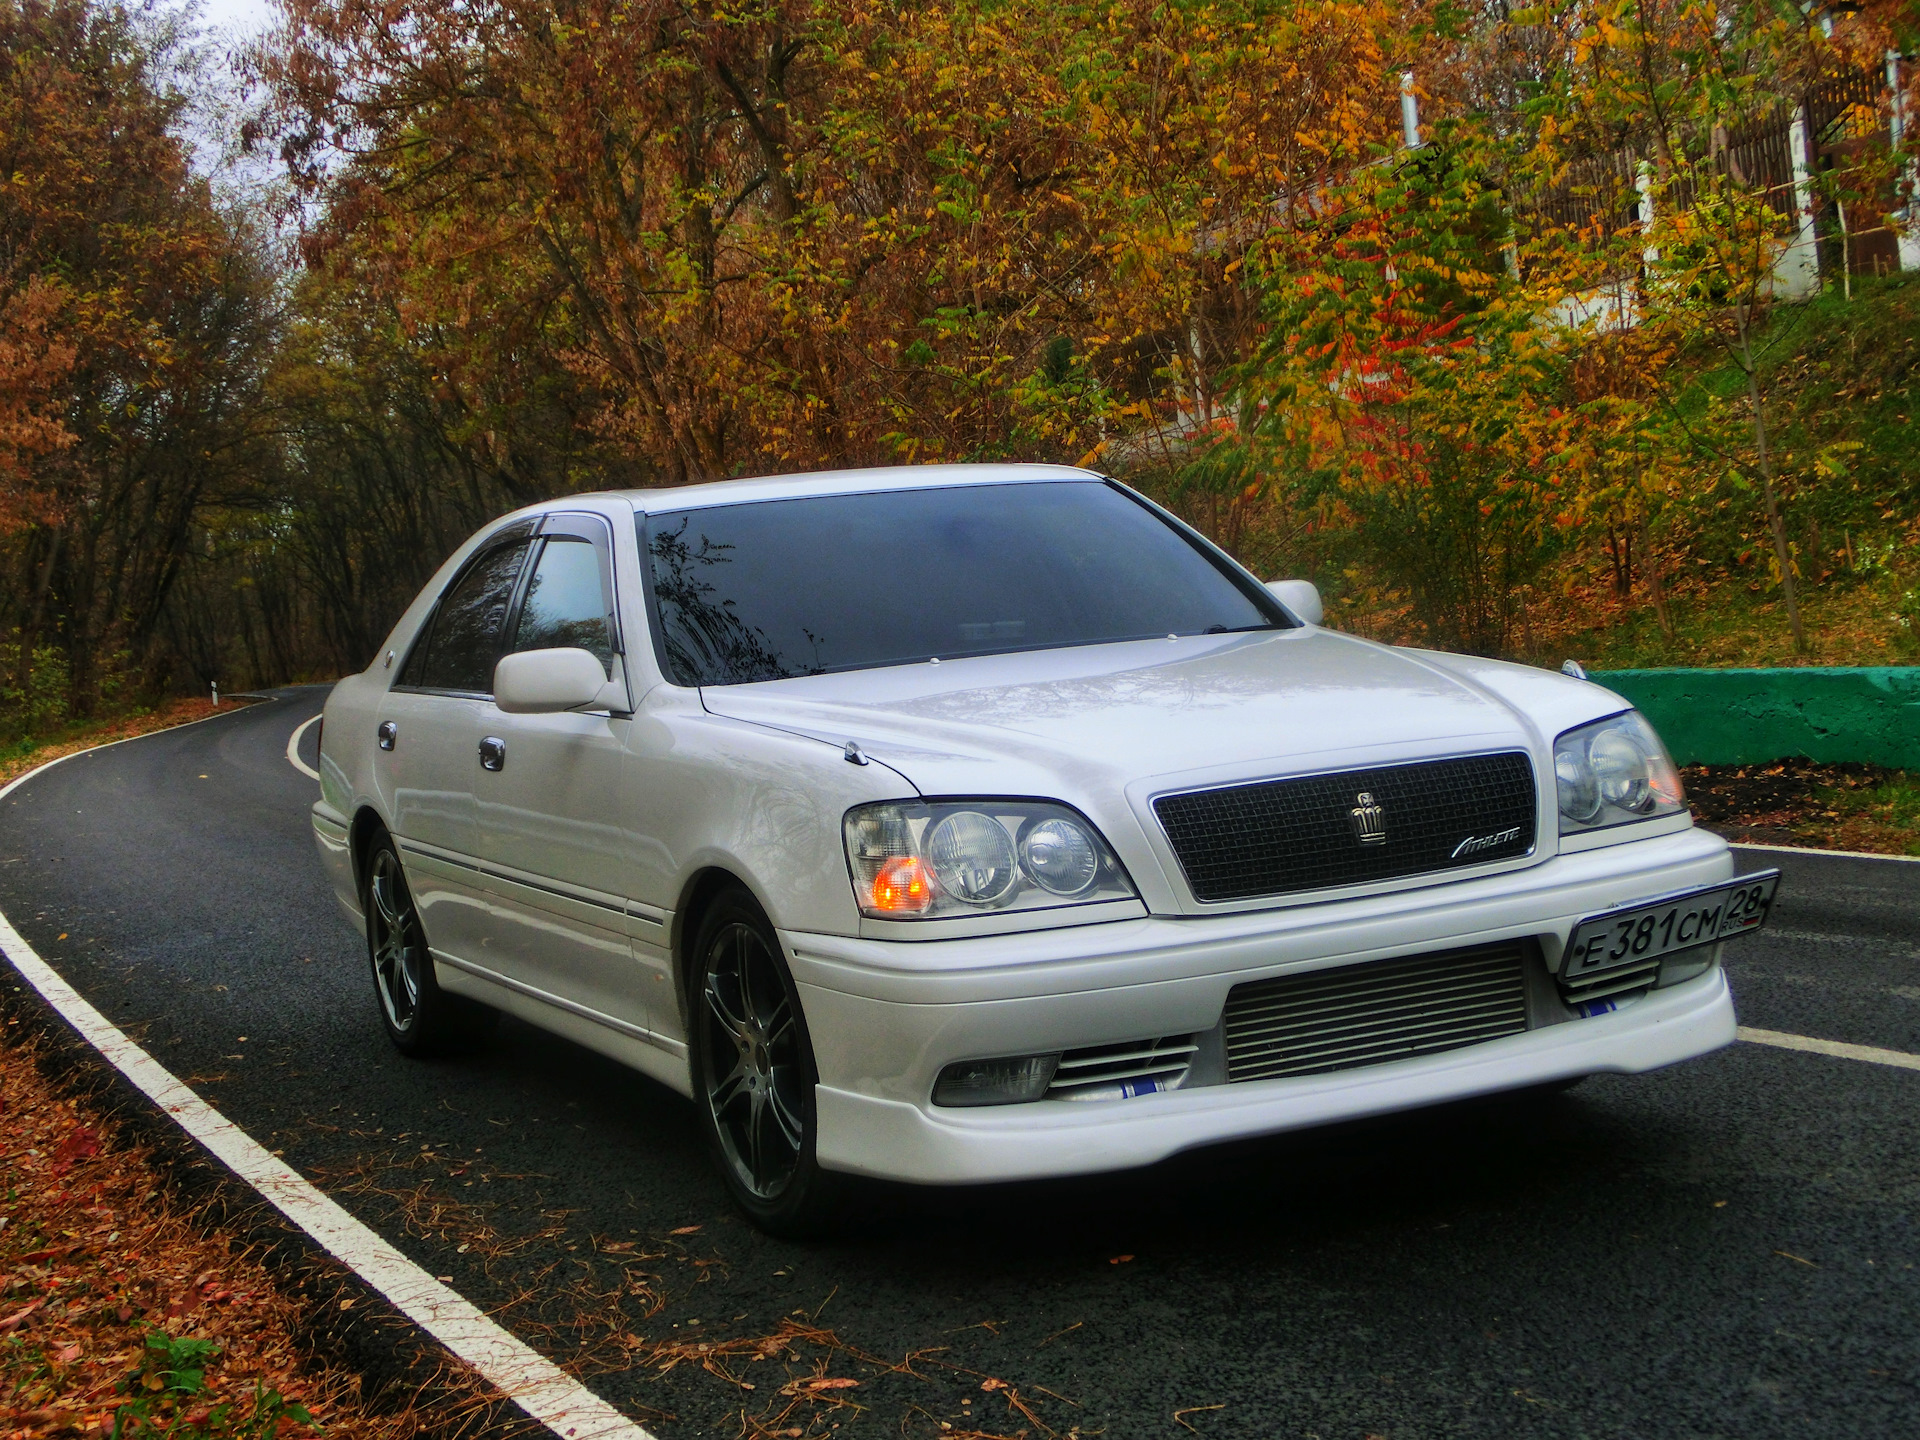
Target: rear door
[(554, 834), (428, 734)]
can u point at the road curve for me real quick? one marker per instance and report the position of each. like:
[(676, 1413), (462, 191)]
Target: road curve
[(1727, 1248)]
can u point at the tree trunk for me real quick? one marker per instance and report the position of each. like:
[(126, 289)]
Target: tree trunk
[(1656, 585), (1775, 525), (30, 629)]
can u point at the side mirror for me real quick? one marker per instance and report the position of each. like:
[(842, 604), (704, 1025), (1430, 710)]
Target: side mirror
[(1300, 597), (544, 682)]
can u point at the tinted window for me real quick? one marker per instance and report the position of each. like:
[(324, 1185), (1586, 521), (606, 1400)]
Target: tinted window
[(774, 588), (466, 628), (566, 602)]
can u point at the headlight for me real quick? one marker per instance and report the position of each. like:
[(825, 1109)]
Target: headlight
[(970, 857), (1614, 771)]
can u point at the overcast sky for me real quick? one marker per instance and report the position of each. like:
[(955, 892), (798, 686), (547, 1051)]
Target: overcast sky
[(243, 17)]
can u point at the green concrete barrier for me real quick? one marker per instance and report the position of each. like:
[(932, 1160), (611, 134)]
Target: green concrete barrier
[(1745, 717)]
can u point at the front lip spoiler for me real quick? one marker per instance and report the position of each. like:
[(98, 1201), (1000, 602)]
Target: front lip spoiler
[(893, 1139)]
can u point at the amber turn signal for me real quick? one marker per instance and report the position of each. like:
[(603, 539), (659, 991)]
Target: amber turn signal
[(902, 885)]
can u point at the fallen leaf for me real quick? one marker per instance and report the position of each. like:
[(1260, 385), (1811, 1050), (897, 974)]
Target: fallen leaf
[(55, 1420), (684, 1230), (13, 1321), (818, 1384), (1120, 1260)]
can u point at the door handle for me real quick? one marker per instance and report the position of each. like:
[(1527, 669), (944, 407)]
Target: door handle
[(387, 733), (493, 753)]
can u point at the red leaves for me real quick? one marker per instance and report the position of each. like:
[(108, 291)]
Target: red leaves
[(19, 1317), (81, 1144), (92, 1269)]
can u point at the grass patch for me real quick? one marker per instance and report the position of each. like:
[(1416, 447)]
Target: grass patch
[(1884, 819), (1849, 622), (1822, 807)]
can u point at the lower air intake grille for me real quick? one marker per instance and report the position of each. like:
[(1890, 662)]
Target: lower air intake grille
[(1618, 981), (1353, 827), (1116, 1072), (1369, 1014)]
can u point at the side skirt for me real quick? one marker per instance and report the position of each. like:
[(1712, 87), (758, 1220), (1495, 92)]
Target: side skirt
[(654, 1056)]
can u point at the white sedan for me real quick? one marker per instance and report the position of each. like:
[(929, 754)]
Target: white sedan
[(970, 823)]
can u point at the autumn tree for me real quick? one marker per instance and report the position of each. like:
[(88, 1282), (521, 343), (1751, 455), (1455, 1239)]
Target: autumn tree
[(135, 315), (779, 235), (1692, 101), (1407, 386)]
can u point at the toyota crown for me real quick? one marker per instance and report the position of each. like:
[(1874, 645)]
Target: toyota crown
[(954, 824)]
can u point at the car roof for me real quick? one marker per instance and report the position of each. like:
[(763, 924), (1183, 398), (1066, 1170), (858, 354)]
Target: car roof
[(845, 482)]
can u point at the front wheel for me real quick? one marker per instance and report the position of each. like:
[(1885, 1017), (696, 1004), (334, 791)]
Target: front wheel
[(753, 1072), (421, 1018)]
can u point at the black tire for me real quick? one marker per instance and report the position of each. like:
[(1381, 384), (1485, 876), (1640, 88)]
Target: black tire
[(753, 1072), (421, 1019)]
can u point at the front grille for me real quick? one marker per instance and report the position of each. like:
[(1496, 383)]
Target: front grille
[(1115, 1072), (1275, 837), (1369, 1014)]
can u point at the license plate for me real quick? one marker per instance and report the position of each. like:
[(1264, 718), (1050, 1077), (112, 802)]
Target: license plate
[(1678, 922)]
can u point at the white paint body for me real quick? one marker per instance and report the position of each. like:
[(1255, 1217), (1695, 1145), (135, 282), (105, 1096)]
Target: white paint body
[(557, 888)]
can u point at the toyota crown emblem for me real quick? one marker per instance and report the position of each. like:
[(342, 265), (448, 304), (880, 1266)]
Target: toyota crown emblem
[(1369, 819)]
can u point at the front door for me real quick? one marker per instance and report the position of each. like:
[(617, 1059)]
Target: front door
[(429, 729), (554, 837)]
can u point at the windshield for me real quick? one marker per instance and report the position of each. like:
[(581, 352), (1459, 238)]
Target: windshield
[(773, 588)]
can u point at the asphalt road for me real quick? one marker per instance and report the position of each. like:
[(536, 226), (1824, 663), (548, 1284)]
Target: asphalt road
[(1726, 1248)]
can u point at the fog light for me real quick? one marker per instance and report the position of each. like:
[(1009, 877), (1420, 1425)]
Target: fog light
[(1011, 1081)]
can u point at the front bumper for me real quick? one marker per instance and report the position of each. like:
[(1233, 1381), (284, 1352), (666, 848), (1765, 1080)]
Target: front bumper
[(886, 1016)]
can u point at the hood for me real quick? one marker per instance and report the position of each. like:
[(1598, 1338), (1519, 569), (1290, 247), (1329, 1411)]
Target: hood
[(1079, 724)]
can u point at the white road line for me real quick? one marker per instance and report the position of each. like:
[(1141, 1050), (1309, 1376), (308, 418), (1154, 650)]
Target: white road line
[(1812, 850), (293, 749), (1872, 1054), (539, 1387)]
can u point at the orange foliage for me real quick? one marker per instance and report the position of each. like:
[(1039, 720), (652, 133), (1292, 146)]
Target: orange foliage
[(35, 358), (774, 234)]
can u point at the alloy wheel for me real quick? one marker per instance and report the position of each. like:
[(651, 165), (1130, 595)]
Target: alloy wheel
[(396, 942), (753, 1060)]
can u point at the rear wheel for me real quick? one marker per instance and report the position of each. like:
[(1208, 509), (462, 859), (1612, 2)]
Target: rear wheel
[(754, 1073), (421, 1018)]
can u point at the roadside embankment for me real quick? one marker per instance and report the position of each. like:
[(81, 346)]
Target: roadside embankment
[(121, 1312)]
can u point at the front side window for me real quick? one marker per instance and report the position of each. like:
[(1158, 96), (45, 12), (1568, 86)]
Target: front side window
[(465, 637), (566, 602), (774, 588)]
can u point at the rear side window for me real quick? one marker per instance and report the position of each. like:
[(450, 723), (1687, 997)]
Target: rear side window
[(465, 640), (566, 602)]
